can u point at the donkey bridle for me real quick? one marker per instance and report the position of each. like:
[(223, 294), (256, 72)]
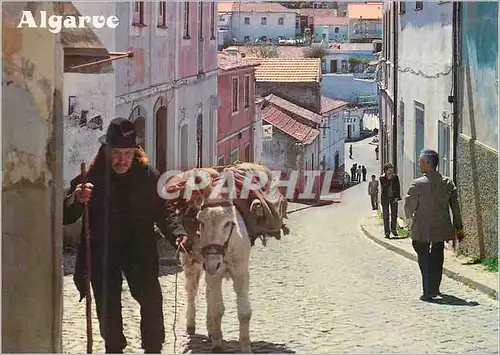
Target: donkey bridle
[(217, 249)]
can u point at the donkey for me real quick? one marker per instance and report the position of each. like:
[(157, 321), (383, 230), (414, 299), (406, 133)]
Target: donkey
[(222, 248)]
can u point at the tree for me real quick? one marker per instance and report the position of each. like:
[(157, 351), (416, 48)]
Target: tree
[(262, 50), (314, 52)]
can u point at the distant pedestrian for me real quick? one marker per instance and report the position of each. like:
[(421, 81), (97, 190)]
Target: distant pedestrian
[(358, 173), (373, 192), (350, 151), (427, 204), (363, 171), (376, 151), (353, 172), (390, 195)]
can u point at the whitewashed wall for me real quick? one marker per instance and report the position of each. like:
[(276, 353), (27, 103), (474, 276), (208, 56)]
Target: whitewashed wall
[(256, 30), (419, 32)]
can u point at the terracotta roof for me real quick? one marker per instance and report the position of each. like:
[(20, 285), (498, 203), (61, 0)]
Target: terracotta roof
[(225, 6), (304, 115), (371, 11), (331, 21), (244, 6), (317, 12), (288, 125), (329, 104), (231, 62), (289, 70)]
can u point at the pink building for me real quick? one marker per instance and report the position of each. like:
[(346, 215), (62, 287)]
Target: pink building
[(169, 88), (236, 114)]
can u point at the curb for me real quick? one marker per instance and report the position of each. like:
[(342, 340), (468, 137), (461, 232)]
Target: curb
[(448, 272), (319, 204)]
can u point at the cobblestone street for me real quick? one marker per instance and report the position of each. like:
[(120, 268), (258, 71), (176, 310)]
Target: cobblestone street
[(325, 288)]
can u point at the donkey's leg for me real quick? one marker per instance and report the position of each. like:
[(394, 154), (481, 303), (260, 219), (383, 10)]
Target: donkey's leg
[(241, 283), (192, 273), (215, 311)]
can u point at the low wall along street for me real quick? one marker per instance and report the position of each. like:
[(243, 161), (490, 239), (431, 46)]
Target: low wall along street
[(317, 183)]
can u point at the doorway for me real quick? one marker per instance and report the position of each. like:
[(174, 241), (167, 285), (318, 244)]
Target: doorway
[(336, 163), (199, 141), (333, 65), (161, 139), (349, 131), (184, 145)]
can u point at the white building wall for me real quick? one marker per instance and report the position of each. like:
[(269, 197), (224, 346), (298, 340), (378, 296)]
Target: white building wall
[(418, 31), (256, 30), (332, 140), (93, 93), (190, 100)]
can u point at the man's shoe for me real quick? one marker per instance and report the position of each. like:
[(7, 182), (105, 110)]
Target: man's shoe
[(152, 351), (395, 233), (426, 298), (387, 236)]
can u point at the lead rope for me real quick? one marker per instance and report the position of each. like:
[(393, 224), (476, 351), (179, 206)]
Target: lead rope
[(177, 252)]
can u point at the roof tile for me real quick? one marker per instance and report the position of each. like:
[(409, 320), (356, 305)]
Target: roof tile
[(291, 70), (329, 104), (231, 62), (288, 125)]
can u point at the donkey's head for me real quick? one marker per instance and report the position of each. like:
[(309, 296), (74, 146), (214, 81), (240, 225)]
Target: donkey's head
[(218, 222)]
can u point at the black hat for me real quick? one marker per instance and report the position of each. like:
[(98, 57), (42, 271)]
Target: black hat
[(120, 134)]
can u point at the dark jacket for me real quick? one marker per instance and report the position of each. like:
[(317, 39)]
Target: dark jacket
[(384, 187), (122, 213)]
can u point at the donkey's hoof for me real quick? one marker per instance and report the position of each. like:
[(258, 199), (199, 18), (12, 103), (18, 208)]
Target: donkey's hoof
[(217, 349), (190, 330)]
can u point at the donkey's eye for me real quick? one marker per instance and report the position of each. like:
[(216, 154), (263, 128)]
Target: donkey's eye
[(227, 225)]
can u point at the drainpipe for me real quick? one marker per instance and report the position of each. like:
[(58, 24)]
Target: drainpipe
[(395, 87), (454, 99)]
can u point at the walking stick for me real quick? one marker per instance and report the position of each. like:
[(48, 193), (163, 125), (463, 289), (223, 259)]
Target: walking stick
[(88, 312)]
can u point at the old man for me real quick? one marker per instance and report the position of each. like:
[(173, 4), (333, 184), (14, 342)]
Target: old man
[(124, 206), (427, 204)]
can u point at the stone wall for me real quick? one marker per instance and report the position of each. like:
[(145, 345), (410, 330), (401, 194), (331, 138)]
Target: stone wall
[(478, 190), (305, 95), (32, 187)]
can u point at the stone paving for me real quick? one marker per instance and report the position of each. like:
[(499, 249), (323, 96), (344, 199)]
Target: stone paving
[(325, 288)]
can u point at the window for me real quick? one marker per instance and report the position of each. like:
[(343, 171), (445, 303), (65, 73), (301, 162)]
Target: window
[(336, 30), (212, 20), (402, 7), (247, 92), (220, 161), (281, 21), (186, 20), (235, 95), (297, 23), (235, 155), (247, 20), (162, 14), (343, 65), (246, 39), (138, 15), (444, 148), (263, 21), (419, 5), (200, 20)]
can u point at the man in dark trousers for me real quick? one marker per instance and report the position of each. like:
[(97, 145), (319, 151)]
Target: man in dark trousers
[(123, 208), (389, 197), (350, 151), (376, 152), (427, 205), (363, 171)]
